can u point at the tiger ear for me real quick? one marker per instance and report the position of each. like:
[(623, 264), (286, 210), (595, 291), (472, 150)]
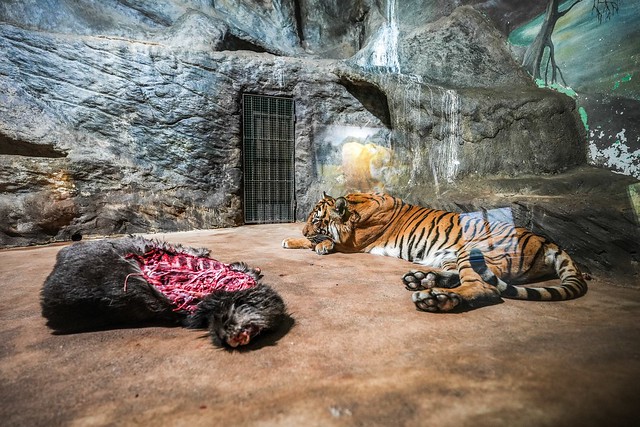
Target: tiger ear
[(341, 205), (325, 196)]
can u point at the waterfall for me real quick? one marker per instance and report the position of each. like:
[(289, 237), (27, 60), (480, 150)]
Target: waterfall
[(442, 155), (381, 51), (380, 55), (445, 153), (409, 112)]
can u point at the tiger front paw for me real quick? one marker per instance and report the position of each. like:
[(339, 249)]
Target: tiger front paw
[(418, 280), (324, 247), (293, 243), (434, 300)]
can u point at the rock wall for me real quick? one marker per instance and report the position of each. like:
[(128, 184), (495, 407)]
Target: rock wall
[(139, 136), (108, 127), (127, 118)]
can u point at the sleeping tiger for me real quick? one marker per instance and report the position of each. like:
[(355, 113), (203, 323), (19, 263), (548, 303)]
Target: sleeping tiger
[(470, 262)]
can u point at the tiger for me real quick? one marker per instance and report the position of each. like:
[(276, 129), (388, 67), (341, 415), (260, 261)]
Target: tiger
[(469, 261)]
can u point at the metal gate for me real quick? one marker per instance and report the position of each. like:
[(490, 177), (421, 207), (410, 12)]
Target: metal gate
[(268, 140)]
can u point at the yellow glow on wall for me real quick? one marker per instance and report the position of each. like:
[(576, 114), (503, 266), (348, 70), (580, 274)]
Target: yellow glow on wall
[(364, 165), (354, 158)]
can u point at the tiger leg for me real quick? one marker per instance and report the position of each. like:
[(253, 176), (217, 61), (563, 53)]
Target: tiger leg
[(295, 243), (472, 292), (416, 280), (322, 247)]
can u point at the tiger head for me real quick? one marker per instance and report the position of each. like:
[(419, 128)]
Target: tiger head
[(327, 220)]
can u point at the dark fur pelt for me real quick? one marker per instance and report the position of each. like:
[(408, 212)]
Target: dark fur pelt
[(85, 291), (233, 315)]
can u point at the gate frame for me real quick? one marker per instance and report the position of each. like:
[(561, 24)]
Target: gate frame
[(267, 212)]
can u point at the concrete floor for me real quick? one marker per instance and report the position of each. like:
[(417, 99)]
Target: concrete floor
[(357, 353)]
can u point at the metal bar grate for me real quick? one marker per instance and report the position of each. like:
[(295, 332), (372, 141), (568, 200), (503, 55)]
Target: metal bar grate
[(268, 135)]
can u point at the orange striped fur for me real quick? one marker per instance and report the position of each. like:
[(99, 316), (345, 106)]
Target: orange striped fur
[(469, 262)]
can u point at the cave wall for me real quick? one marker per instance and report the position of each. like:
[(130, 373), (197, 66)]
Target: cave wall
[(121, 118), (139, 136)]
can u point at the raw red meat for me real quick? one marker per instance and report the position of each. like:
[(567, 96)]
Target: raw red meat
[(186, 279)]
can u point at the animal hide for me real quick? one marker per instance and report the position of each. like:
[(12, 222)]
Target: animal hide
[(132, 281)]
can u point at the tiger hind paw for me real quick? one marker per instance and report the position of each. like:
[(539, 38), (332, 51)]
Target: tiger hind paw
[(435, 300), (419, 280)]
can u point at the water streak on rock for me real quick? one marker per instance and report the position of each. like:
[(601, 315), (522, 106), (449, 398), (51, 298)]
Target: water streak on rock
[(381, 52), (445, 153)]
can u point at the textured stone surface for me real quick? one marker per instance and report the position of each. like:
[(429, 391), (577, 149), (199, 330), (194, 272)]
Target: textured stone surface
[(146, 136), (258, 27), (460, 50), (107, 127)]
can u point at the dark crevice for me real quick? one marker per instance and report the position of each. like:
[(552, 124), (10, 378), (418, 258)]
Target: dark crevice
[(371, 98), (145, 14), (298, 17), (13, 147), (359, 23), (231, 42)]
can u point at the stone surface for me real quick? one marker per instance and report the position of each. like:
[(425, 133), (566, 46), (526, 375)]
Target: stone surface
[(106, 127), (357, 353), (263, 28), (128, 136), (460, 50)]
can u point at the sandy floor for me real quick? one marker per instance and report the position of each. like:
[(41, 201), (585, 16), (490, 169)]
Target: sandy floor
[(357, 353)]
